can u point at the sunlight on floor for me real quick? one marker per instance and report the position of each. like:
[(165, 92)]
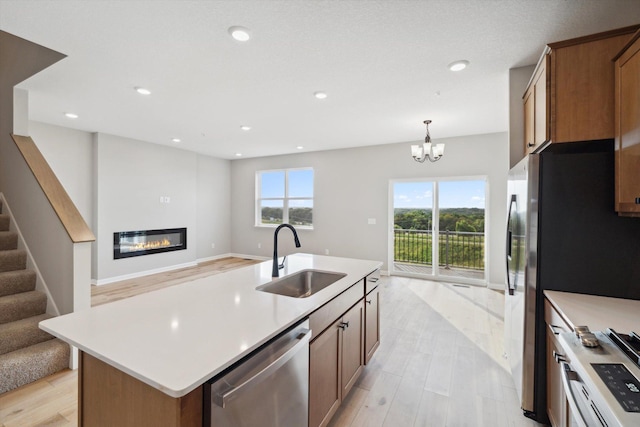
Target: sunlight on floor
[(477, 312)]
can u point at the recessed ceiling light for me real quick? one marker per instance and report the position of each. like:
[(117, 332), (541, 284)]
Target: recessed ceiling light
[(238, 154), (241, 34), (71, 115), (299, 147), (458, 65), (320, 95), (176, 140), (143, 91), (245, 127)]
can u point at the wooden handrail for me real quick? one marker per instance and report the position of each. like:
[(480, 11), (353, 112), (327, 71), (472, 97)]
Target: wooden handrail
[(62, 204)]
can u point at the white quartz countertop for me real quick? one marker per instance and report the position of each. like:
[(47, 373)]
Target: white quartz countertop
[(176, 338), (598, 313)]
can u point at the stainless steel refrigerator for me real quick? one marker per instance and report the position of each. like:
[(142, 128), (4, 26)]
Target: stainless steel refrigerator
[(562, 234)]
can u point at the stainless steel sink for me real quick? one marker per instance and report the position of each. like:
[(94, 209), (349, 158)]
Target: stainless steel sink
[(301, 284)]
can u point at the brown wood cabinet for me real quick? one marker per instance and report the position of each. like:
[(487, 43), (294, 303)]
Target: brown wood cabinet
[(336, 352), (571, 94), (557, 405), (371, 324), (536, 108), (109, 397), (627, 128), (325, 375), (336, 359)]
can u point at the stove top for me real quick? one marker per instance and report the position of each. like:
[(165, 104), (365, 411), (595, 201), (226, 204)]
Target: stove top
[(608, 373), (629, 344)]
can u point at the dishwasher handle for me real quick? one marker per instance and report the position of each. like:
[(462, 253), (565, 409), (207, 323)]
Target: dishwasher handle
[(221, 399)]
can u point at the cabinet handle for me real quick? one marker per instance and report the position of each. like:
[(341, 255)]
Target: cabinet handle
[(530, 144), (553, 329), (369, 301), (343, 325), (559, 357)]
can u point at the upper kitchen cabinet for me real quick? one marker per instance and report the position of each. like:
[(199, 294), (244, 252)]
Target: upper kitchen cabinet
[(627, 128), (571, 94), (536, 107)]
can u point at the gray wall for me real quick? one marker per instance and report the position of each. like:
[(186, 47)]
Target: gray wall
[(117, 183), (215, 198), (69, 154), (352, 186)]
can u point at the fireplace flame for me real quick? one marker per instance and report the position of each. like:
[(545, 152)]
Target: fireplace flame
[(151, 245)]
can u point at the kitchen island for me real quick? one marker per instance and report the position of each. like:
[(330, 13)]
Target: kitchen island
[(154, 351)]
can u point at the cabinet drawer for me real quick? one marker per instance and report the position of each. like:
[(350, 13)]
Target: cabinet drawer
[(553, 318), (371, 281), (323, 317)]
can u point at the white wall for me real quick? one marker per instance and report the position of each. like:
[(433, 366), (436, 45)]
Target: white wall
[(69, 153), (213, 212), (352, 185), (214, 198), (116, 183)]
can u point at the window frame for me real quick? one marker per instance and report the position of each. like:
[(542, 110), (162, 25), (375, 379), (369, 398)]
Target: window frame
[(285, 199)]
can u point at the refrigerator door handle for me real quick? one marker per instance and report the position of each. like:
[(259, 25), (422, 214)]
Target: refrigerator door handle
[(510, 286)]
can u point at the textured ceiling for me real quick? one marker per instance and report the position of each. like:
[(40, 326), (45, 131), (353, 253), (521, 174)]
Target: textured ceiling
[(383, 65)]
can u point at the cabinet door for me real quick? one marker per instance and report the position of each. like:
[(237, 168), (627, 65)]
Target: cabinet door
[(352, 346), (325, 375), (628, 131), (556, 399), (541, 105), (371, 324), (529, 117)]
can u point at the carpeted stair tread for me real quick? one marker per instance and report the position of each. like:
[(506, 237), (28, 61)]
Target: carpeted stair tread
[(4, 222), (14, 259), (20, 306), (32, 363), (17, 281), (8, 240), (22, 333)]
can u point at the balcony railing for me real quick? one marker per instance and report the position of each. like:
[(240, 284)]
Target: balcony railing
[(457, 249)]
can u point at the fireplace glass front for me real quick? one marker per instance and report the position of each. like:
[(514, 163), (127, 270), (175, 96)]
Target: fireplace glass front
[(146, 242)]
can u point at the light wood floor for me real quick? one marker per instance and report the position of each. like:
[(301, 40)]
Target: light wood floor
[(440, 361), (439, 364), (140, 285)]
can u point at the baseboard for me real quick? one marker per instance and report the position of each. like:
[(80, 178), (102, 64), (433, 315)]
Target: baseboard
[(256, 257), (495, 287), (142, 273)]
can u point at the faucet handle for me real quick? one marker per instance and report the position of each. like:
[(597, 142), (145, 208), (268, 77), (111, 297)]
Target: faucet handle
[(281, 265)]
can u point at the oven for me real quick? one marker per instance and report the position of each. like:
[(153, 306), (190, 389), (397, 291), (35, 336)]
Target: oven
[(601, 382)]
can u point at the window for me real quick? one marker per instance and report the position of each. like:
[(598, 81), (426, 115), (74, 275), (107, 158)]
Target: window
[(284, 197)]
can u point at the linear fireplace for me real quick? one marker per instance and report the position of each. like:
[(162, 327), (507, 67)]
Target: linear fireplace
[(128, 244)]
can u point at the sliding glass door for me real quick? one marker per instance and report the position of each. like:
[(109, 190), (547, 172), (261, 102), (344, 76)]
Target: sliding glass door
[(438, 229)]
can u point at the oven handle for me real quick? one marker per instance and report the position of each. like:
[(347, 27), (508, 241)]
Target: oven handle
[(287, 353), (569, 375)]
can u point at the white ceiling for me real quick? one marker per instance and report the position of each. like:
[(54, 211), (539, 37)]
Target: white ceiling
[(383, 65)]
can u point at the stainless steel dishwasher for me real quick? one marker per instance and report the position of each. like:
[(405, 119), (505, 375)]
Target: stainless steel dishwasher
[(269, 388)]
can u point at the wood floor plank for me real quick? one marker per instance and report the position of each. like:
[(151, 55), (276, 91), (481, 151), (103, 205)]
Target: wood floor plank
[(375, 407)]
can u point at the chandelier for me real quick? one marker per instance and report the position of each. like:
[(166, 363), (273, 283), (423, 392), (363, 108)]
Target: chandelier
[(427, 150)]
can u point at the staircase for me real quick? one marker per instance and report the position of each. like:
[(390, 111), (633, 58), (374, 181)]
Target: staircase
[(27, 353)]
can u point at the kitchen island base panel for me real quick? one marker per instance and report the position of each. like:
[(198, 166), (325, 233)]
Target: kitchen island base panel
[(109, 397)]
